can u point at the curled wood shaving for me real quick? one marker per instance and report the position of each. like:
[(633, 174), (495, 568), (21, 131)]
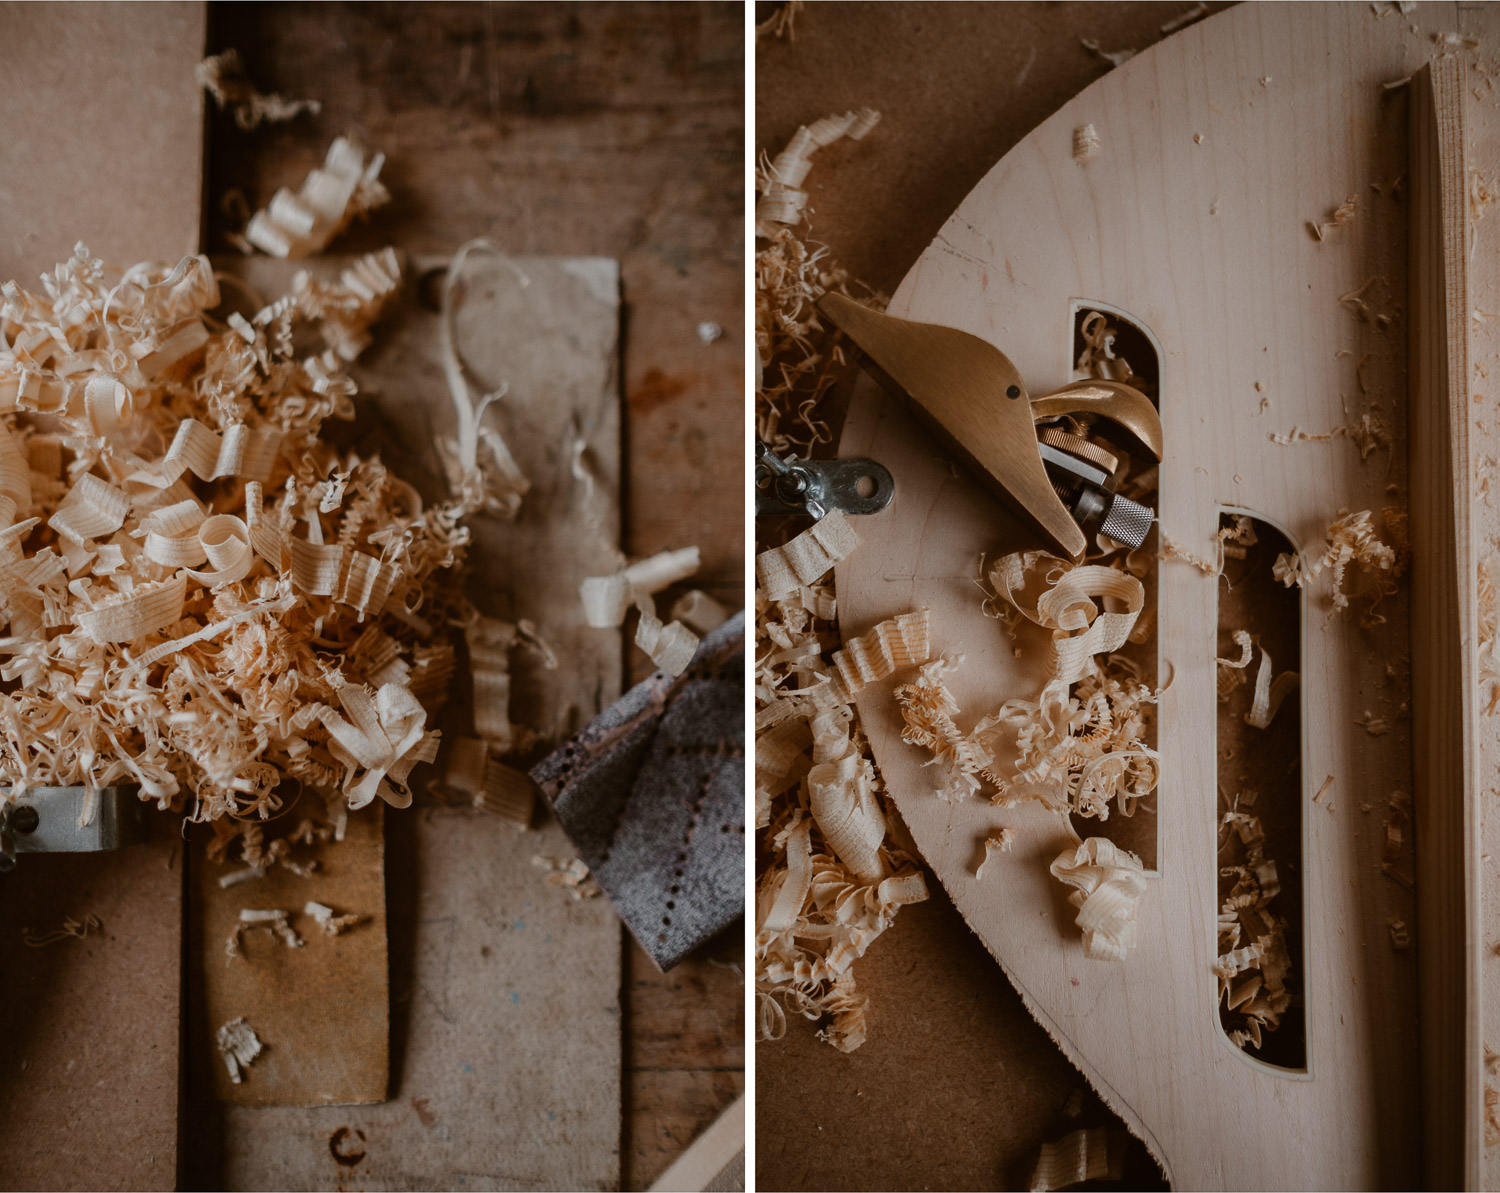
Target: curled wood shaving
[(781, 571), (1081, 744), (780, 23), (1269, 693), (1184, 18), (1253, 961), (1232, 671), (239, 1046), (1110, 882), (1113, 57), (780, 181), (1351, 540), (895, 644), (1340, 215), (605, 599), (998, 844), (569, 873), (224, 77), (203, 597), (1079, 1156), (507, 792), (71, 930), (1086, 142), (343, 187), (273, 920), (329, 920), (698, 611)]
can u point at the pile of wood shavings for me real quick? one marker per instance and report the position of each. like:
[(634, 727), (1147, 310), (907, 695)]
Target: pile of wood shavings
[(797, 354), (830, 882), (204, 597), (1253, 963), (1080, 746)]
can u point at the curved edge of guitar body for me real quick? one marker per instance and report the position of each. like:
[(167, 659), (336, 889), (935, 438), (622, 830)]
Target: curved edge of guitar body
[(1217, 149)]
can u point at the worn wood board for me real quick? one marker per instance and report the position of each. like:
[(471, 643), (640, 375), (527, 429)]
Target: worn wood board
[(89, 1096), (104, 132), (615, 131), (1193, 218), (322, 1011), (506, 1020)]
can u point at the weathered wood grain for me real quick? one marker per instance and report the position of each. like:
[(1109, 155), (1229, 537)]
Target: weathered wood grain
[(611, 130)]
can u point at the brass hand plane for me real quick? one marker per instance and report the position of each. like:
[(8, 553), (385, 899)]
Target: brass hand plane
[(1056, 481)]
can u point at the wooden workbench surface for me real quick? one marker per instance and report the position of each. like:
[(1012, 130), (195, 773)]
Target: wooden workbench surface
[(612, 130), (957, 1086)]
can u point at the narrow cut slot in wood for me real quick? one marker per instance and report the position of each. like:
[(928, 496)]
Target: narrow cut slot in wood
[(1262, 798)]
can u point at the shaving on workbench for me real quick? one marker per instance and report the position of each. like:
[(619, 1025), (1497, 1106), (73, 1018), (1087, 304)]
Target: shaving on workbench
[(607, 598), (830, 879), (205, 596)]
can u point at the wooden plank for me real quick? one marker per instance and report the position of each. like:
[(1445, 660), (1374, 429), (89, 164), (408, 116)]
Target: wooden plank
[(90, 1093), (321, 1011), (614, 130), (1200, 184), (1444, 741), (1481, 267), (716, 1158), (507, 1029)]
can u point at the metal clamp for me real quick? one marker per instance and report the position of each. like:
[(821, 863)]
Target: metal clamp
[(816, 486), (65, 820)]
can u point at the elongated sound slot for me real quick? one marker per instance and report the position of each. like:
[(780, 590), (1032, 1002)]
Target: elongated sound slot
[(1261, 798)]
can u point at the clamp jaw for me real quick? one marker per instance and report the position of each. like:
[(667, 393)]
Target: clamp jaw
[(69, 820), (965, 389)]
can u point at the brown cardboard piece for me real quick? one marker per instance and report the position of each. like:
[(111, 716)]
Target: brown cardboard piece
[(103, 143), (104, 133), (88, 1079), (505, 1044)]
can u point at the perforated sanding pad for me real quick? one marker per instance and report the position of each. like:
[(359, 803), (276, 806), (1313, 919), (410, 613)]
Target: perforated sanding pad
[(652, 793)]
